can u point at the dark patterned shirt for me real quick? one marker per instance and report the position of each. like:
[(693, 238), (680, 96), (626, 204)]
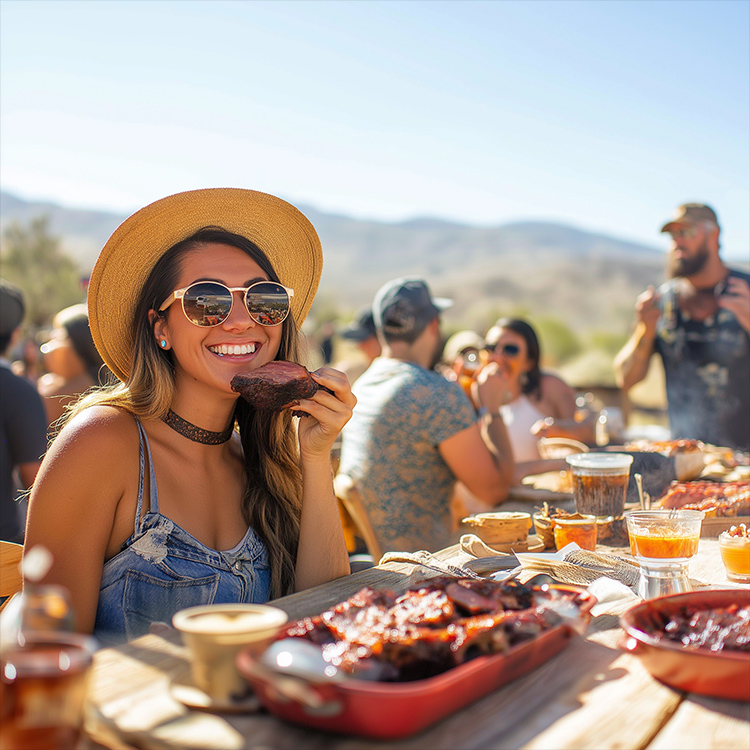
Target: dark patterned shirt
[(707, 367), (390, 449)]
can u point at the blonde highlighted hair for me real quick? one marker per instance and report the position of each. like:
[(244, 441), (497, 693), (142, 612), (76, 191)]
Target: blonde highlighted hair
[(272, 502)]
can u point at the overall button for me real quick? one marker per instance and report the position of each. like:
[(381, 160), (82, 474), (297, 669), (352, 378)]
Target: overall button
[(237, 565)]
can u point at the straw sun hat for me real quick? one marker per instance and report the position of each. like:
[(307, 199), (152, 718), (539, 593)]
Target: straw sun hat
[(283, 233)]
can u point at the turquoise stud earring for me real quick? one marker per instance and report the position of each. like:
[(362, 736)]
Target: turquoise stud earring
[(163, 344)]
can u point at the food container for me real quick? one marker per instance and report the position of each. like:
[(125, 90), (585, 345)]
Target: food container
[(722, 674), (735, 554), (600, 483), (215, 633), (577, 528), (543, 524), (500, 528), (662, 542), (391, 710)]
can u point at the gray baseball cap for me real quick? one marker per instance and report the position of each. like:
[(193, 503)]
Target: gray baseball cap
[(12, 307), (403, 307)]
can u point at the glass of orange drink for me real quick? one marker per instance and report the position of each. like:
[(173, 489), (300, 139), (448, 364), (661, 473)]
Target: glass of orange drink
[(662, 542)]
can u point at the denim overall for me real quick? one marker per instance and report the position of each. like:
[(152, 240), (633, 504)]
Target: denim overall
[(162, 569)]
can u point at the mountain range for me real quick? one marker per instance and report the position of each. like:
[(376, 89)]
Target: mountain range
[(585, 279)]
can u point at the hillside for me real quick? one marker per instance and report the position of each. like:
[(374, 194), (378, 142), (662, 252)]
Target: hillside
[(585, 279)]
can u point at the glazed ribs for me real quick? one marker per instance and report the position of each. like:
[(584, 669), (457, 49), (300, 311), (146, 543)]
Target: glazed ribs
[(432, 627)]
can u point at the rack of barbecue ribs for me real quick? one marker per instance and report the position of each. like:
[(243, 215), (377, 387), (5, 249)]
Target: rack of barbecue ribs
[(713, 498), (430, 628)]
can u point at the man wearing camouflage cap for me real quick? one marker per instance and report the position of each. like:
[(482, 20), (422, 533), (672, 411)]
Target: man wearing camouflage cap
[(699, 323)]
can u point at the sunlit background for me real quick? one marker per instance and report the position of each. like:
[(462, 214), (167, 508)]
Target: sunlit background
[(601, 114)]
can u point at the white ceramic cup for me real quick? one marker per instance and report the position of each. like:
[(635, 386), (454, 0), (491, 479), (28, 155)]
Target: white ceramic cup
[(216, 633)]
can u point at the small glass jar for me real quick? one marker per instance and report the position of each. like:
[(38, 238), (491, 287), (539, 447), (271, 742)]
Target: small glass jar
[(581, 530), (735, 554)]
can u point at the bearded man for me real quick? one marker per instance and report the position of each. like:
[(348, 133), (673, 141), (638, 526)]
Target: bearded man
[(698, 322)]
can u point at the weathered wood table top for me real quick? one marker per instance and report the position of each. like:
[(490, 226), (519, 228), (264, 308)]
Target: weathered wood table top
[(591, 695)]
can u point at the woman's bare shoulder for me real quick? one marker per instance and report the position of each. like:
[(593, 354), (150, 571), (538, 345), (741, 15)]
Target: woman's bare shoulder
[(105, 430), (554, 384)]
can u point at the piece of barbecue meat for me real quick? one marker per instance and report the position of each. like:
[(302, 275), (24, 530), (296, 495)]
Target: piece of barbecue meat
[(276, 386)]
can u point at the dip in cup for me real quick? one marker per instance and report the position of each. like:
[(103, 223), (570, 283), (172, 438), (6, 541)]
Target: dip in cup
[(600, 483), (579, 529), (734, 546), (215, 634)]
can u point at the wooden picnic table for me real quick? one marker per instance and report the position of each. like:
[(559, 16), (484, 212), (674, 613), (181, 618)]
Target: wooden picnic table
[(591, 695)]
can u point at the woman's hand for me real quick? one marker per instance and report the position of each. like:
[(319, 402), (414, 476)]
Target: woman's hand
[(492, 387), (329, 413)]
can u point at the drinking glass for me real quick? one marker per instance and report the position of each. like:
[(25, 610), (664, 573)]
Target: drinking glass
[(662, 542), (600, 483)]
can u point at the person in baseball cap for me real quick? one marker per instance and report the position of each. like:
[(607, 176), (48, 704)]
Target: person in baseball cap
[(403, 307), (414, 433), (12, 310), (362, 333), (691, 213), (698, 323), (362, 326)]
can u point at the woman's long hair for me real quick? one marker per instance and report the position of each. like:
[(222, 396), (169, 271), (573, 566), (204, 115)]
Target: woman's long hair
[(272, 502), (531, 385)]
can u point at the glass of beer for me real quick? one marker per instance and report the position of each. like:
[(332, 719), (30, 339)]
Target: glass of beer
[(43, 682), (600, 483)]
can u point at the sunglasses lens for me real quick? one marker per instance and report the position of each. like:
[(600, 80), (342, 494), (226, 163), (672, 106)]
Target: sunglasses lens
[(511, 350), (268, 303), (207, 303)]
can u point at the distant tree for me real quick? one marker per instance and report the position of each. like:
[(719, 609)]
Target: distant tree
[(34, 260), (558, 342), (608, 341)]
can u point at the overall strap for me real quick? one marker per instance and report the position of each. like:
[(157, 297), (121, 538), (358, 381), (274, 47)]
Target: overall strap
[(143, 456)]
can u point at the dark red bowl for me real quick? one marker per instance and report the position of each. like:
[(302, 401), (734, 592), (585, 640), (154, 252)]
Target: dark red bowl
[(721, 674)]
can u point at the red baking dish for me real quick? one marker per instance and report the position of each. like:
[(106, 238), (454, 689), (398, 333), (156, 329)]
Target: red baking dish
[(721, 674), (391, 710)]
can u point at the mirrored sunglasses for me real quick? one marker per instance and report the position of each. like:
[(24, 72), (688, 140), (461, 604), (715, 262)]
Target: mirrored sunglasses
[(209, 303), (509, 350)]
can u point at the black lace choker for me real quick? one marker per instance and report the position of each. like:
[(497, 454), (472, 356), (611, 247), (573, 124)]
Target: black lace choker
[(197, 434)]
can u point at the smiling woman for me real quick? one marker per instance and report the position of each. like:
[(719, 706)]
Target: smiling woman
[(166, 490)]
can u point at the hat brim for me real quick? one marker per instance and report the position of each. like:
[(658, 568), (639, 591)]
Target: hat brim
[(442, 303), (357, 335), (676, 223), (280, 230)]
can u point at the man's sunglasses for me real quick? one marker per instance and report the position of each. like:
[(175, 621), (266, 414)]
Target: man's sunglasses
[(209, 303), (688, 232), (509, 350)]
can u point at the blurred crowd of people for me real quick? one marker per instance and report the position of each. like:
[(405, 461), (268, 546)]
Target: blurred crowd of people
[(440, 422), (37, 382)]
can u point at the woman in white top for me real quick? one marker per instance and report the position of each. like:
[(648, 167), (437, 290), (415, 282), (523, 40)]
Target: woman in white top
[(536, 403)]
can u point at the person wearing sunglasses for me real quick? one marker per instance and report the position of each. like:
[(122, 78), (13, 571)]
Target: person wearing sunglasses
[(166, 490), (698, 322), (535, 404)]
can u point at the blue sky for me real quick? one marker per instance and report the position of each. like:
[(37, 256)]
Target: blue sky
[(603, 114)]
